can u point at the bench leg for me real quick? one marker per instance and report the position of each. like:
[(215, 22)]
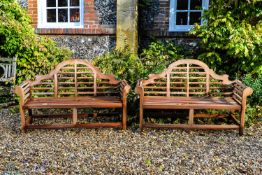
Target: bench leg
[(242, 122), (74, 116), (141, 118), (124, 117), (191, 117), (30, 113), (23, 121)]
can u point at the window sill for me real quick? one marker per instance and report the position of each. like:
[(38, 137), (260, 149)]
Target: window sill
[(75, 31)]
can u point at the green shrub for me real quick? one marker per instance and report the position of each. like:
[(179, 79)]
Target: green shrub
[(130, 67), (35, 54), (231, 39), (122, 64), (254, 108), (255, 82), (159, 55)]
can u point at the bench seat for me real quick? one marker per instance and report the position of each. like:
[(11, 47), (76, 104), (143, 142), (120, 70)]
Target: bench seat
[(75, 102), (190, 102)]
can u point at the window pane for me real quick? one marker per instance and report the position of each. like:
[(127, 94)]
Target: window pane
[(181, 18), (196, 4), (62, 3), (62, 15), (50, 3), (74, 15), (51, 15), (182, 5), (195, 17), (74, 2)]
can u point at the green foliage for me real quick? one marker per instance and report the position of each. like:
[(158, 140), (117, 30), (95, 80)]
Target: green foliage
[(231, 39), (159, 55), (253, 114), (122, 64), (36, 55), (254, 108), (256, 84), (125, 65)]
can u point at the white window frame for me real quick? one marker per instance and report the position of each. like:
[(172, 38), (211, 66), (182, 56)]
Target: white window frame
[(42, 17), (172, 19)]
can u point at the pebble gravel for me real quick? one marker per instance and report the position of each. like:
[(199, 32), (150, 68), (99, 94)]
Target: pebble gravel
[(112, 151)]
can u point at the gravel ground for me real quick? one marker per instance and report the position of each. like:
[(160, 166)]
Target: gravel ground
[(112, 151)]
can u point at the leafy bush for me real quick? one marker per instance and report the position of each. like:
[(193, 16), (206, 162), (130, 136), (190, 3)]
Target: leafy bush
[(256, 84), (36, 55), (159, 55), (254, 109), (125, 65), (122, 64), (231, 39)]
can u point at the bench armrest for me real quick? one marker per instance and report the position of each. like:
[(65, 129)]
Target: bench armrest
[(241, 92), (139, 88), (124, 89), (23, 91)]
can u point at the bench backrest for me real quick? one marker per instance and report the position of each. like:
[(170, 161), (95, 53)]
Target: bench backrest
[(187, 77), (74, 78), (7, 69)]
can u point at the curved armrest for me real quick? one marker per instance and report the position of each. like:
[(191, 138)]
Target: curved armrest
[(241, 92), (124, 89), (139, 88), (23, 91)]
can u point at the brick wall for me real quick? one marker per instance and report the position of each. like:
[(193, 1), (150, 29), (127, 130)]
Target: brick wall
[(154, 20), (32, 11), (92, 24)]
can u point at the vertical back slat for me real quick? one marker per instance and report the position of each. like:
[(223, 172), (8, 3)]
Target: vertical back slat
[(168, 84), (14, 67), (95, 85), (75, 79), (187, 80), (9, 70), (55, 85), (5, 71), (207, 83)]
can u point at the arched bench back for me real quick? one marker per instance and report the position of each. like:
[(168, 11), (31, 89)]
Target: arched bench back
[(187, 77), (74, 78)]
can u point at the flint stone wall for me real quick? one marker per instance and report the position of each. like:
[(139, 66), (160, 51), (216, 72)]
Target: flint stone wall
[(85, 47)]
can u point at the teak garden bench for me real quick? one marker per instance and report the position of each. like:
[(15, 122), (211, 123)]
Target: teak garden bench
[(191, 85), (73, 84)]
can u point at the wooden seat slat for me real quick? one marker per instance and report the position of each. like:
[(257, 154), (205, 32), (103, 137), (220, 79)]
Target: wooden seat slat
[(80, 102), (185, 103)]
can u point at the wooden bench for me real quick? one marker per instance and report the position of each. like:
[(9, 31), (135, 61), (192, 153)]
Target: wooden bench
[(73, 84), (7, 69), (189, 84)]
